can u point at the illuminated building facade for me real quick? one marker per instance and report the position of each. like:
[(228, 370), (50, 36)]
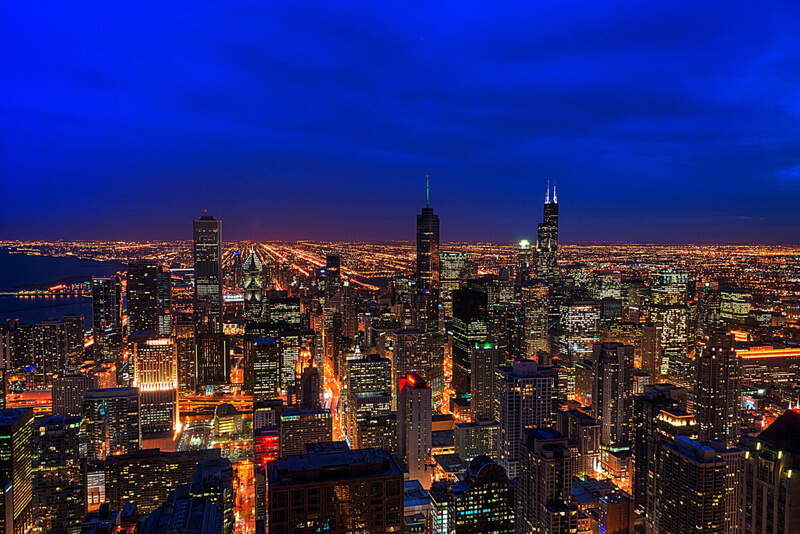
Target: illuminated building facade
[(526, 401), (771, 480), (414, 427), (485, 358), (718, 390), (583, 432), (112, 422), (16, 443), (369, 392), (611, 391), (525, 262), (535, 303), (544, 486), (379, 432), (212, 360), (336, 490), (265, 353), (266, 445), (476, 438), (299, 426), (699, 488), (156, 377), (734, 306), (147, 476), (651, 350), (669, 294), (456, 270), (59, 494), (253, 285), (208, 306), (74, 330), (213, 480), (68, 391)]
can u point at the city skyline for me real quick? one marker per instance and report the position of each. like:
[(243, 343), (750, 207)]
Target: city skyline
[(659, 124)]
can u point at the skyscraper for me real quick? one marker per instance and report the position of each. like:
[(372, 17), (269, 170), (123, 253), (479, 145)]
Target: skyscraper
[(668, 306), (469, 327), (149, 290), (771, 482), (208, 306), (106, 303), (525, 401), (74, 327), (340, 476), (485, 357), (535, 302), (718, 395), (112, 422), (699, 488), (299, 426), (265, 354), (547, 240), (59, 494), (544, 487), (16, 428), (611, 391), (428, 270), (253, 285), (156, 377), (369, 392), (414, 427), (456, 270)]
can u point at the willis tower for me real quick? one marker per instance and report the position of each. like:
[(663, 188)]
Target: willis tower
[(428, 269), (547, 240)]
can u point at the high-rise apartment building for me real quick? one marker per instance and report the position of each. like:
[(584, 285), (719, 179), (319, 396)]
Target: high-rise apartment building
[(526, 401), (68, 392), (651, 350), (718, 390), (414, 427), (16, 443), (156, 376), (544, 486), (428, 271), (74, 329), (535, 304), (253, 285), (208, 305), (699, 488), (59, 492), (611, 391), (369, 392), (213, 479), (111, 419), (485, 358), (583, 432)]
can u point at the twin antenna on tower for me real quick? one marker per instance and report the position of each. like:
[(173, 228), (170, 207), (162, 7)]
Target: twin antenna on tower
[(547, 194)]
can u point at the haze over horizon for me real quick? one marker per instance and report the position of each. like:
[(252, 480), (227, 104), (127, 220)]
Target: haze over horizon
[(673, 123)]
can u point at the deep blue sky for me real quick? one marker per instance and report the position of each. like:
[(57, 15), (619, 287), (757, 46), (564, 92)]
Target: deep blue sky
[(659, 121)]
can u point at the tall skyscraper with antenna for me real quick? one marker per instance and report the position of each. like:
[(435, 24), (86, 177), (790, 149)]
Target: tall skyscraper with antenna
[(428, 270), (208, 275), (547, 240)]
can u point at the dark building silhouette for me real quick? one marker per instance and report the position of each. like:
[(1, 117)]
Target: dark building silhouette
[(428, 270), (208, 306)]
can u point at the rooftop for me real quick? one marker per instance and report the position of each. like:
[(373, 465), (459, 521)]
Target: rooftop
[(336, 465), (784, 433)]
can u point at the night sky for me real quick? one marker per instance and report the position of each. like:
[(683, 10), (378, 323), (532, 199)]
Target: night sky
[(658, 121)]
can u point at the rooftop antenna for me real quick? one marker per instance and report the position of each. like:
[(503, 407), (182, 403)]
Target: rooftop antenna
[(555, 197), (547, 193), (427, 190)]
